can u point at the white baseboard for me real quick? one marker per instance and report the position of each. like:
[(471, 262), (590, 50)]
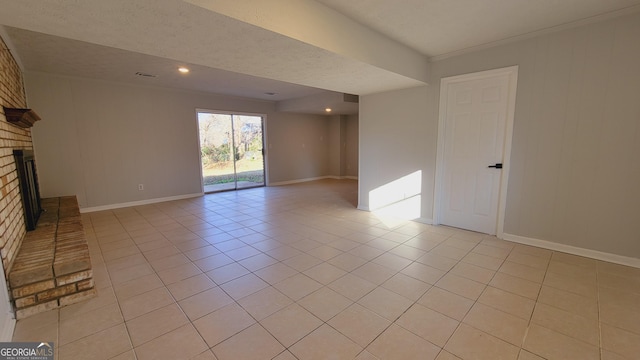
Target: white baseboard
[(426, 221), (421, 220), (187, 196), (594, 254), (297, 181), (6, 335), (138, 203)]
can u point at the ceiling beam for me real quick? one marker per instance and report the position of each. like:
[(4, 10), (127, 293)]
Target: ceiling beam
[(178, 30)]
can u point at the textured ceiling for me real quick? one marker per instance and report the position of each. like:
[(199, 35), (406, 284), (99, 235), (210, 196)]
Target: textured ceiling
[(438, 28), (180, 31), (57, 55), (295, 48)]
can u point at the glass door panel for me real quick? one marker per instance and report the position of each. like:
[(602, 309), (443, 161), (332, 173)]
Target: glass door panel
[(216, 151), (231, 151), (249, 160)]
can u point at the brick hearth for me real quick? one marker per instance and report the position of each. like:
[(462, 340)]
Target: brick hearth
[(53, 267)]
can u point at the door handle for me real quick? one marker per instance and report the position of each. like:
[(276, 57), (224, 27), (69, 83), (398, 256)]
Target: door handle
[(497, 166)]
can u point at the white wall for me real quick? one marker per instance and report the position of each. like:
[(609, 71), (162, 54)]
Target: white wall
[(335, 148), (575, 165), (299, 146), (396, 140), (99, 140), (343, 145), (352, 146)]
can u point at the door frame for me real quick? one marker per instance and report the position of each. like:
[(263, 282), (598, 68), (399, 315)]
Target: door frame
[(265, 161), (512, 73)]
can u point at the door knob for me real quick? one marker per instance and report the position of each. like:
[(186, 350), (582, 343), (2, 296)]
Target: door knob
[(497, 166)]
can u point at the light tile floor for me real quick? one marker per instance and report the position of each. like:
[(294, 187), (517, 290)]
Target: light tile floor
[(296, 272)]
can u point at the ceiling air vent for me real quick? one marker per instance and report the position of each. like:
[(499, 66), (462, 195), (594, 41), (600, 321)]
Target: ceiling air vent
[(350, 98), (145, 74)]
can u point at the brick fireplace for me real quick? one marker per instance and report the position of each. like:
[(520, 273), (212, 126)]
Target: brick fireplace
[(12, 226), (49, 266)]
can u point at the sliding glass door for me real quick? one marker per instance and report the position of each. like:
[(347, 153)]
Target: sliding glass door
[(231, 150)]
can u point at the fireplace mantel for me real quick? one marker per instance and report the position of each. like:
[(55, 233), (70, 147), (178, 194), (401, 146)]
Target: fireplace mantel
[(23, 118)]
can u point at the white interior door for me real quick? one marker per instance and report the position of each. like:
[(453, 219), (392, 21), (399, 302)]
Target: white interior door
[(477, 110)]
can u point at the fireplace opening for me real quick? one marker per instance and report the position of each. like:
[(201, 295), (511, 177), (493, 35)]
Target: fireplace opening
[(29, 189)]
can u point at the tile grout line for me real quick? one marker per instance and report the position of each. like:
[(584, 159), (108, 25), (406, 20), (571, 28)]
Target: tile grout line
[(308, 220)]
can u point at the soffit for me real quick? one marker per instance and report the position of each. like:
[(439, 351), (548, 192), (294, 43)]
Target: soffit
[(179, 31)]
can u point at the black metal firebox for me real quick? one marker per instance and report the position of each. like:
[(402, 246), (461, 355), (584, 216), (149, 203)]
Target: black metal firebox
[(28, 178)]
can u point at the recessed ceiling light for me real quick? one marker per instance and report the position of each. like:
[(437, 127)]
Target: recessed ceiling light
[(183, 69), (327, 109)]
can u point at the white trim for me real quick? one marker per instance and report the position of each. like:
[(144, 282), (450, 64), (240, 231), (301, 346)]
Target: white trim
[(437, 187), (512, 72), (229, 112), (199, 150), (7, 319), (594, 254), (297, 181), (419, 220), (138, 203), (424, 221), (7, 331), (265, 150), (289, 182), (508, 138)]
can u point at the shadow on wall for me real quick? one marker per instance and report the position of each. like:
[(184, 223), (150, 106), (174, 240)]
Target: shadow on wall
[(399, 200)]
